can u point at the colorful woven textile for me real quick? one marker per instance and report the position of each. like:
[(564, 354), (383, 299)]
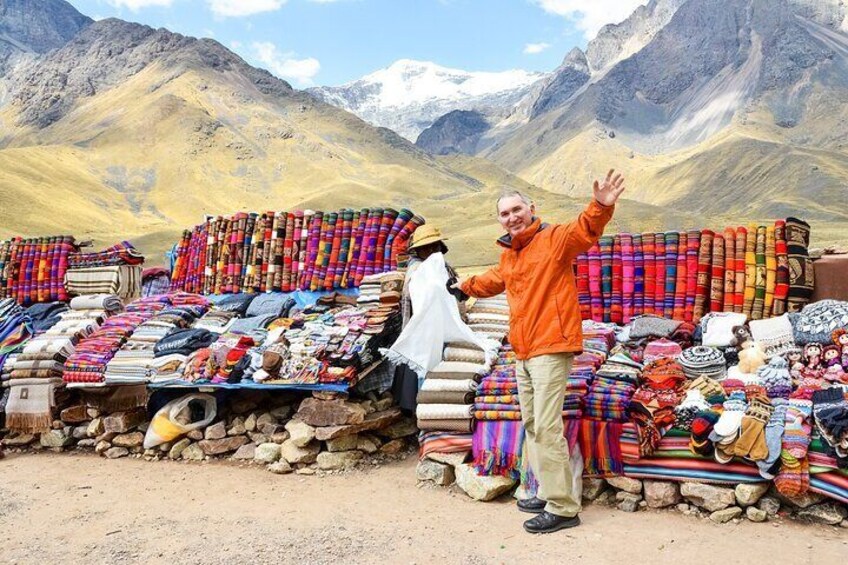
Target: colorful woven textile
[(497, 446), (717, 275), (33, 270), (739, 287), (703, 283), (759, 275), (729, 270), (750, 270), (781, 285), (286, 251)]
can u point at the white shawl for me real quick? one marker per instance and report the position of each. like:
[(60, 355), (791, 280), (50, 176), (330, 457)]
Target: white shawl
[(435, 321)]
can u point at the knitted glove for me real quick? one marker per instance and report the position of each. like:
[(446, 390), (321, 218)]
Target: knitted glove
[(752, 442), (731, 418)]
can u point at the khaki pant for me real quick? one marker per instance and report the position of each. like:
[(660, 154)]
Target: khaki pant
[(541, 391)]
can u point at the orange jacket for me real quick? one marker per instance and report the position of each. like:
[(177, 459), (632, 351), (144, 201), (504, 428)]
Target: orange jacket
[(536, 271)]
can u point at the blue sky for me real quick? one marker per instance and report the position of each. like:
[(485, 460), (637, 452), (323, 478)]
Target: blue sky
[(329, 42)]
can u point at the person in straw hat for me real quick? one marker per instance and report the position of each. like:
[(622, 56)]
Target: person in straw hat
[(426, 240)]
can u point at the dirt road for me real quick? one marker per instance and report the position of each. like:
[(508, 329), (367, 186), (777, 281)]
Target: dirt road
[(84, 509)]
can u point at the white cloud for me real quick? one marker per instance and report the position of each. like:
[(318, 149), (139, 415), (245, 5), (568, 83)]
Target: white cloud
[(285, 65), (535, 48), (136, 5), (235, 44), (240, 8), (590, 17)]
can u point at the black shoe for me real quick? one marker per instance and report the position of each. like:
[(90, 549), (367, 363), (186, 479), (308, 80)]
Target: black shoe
[(546, 523), (532, 505)]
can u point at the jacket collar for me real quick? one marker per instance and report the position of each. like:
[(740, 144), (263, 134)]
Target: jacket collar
[(524, 238)]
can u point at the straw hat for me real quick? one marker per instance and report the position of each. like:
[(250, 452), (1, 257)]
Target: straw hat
[(425, 235)]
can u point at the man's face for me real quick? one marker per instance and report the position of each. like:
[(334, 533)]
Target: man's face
[(514, 215)]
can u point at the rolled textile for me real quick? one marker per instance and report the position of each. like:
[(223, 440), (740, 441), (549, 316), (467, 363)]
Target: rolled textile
[(108, 302), (628, 256), (638, 276), (498, 398), (288, 248), (649, 258), (606, 245), (717, 275), (448, 385), (759, 275), (693, 246), (729, 269), (781, 284), (443, 411), (771, 272), (679, 311), (801, 274), (444, 397), (703, 283), (464, 354), (660, 274), (596, 296), (672, 240), (446, 425), (581, 269), (457, 370), (616, 303), (750, 270), (739, 286)]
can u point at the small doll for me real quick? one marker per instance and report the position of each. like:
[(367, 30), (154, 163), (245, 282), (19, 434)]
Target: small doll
[(813, 368), (795, 360), (751, 356), (840, 339), (833, 364)]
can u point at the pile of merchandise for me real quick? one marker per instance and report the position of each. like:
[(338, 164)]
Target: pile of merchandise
[(115, 270), (286, 251), (684, 275), (33, 270)]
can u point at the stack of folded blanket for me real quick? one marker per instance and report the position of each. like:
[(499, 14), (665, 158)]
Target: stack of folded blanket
[(88, 362), (115, 270), (446, 397), (490, 317), (133, 362)]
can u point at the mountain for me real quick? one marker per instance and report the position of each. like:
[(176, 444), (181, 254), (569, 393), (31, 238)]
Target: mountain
[(408, 96), (731, 109), (125, 131)]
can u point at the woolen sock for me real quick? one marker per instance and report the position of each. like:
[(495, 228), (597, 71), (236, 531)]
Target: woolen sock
[(796, 434), (752, 441), (774, 437), (793, 480), (731, 418)]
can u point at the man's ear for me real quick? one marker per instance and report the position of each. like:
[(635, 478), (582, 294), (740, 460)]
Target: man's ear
[(532, 208)]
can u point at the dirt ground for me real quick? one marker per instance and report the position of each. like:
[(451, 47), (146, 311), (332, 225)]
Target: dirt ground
[(84, 509)]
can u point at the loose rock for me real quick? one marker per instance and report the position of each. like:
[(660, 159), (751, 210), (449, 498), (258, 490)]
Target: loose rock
[(660, 494), (267, 453), (88, 442), (394, 446), (74, 414), (195, 435), (132, 439), (452, 459), (627, 501), (481, 487), (237, 427), (750, 494), (101, 447), (829, 513), (754, 514), (296, 454), (592, 488), (216, 431), (404, 428), (177, 449), (250, 423), (300, 432), (367, 444), (95, 427), (122, 422), (55, 438), (330, 412), (803, 501), (19, 440), (245, 452), (626, 484), (439, 473), (116, 452), (726, 515), (709, 497), (279, 468), (344, 443), (328, 461), (770, 505), (193, 452), (219, 446)]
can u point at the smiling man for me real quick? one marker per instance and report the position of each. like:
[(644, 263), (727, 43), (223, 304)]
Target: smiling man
[(545, 333)]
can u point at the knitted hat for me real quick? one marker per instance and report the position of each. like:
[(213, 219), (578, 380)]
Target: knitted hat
[(663, 374), (702, 361), (652, 326), (661, 348)]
